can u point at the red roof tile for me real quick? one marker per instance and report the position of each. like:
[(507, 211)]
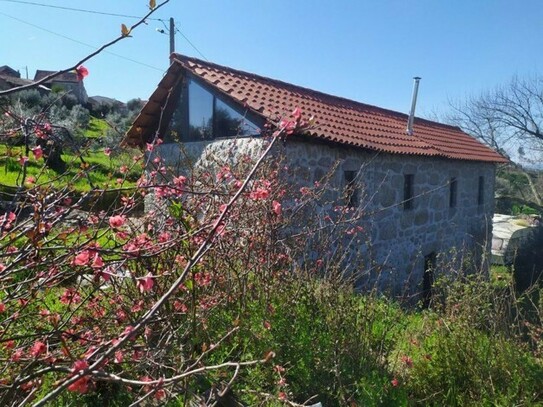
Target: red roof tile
[(337, 119)]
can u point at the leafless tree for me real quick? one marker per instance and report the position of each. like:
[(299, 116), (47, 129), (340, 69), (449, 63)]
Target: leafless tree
[(508, 118)]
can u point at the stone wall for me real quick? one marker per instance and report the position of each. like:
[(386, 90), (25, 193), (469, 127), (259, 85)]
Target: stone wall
[(397, 239)]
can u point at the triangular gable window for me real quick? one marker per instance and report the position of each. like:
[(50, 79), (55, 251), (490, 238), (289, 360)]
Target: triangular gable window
[(201, 115)]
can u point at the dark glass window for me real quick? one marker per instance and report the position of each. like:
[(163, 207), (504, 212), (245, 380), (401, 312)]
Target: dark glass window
[(351, 192), (200, 115), (408, 191), (453, 186), (481, 191), (230, 123)]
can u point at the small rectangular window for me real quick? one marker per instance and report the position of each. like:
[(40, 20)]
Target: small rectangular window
[(408, 191), (481, 191), (452, 192), (351, 191)]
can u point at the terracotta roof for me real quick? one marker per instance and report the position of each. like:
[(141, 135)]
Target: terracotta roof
[(65, 77), (337, 119)]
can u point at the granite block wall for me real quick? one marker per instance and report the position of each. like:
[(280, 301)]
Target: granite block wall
[(400, 238)]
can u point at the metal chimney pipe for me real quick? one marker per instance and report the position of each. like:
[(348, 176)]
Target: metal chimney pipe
[(413, 106)]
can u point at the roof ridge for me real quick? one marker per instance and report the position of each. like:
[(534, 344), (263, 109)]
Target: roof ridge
[(339, 120), (184, 58)]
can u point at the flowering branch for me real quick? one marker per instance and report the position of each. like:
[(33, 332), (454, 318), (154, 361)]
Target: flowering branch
[(83, 72), (144, 320)]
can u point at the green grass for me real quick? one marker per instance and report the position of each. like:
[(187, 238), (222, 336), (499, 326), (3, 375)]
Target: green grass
[(91, 169), (97, 128), (501, 276)]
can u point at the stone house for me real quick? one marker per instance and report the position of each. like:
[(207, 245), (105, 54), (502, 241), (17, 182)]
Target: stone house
[(10, 78), (424, 194), (67, 81)]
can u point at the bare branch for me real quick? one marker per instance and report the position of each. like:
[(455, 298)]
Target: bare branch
[(82, 61)]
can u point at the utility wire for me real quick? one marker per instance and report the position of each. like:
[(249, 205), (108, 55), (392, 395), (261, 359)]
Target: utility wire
[(76, 9), (105, 14), (177, 30), (189, 41), (80, 42)]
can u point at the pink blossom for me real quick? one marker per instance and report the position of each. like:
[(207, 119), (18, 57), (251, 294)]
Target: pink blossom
[(2, 307), (23, 159), (407, 360), (276, 206), (17, 355), (146, 283), (160, 394), (297, 113), (119, 356), (38, 349), (38, 152), (70, 296), (81, 72), (259, 193), (394, 382), (117, 221), (30, 180), (82, 259), (97, 261), (179, 181), (107, 151), (128, 332), (39, 133), (164, 237), (81, 385), (180, 307), (79, 365)]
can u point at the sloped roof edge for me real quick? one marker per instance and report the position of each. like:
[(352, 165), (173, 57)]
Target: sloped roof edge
[(338, 119)]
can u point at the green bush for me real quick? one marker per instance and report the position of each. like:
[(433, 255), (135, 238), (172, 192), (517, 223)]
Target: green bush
[(470, 351), (329, 341), (456, 365)]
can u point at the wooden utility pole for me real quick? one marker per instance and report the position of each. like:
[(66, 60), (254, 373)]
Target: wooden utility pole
[(172, 36)]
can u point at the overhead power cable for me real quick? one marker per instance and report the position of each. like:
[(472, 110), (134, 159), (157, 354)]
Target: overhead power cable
[(105, 14), (80, 42), (32, 3), (190, 42)]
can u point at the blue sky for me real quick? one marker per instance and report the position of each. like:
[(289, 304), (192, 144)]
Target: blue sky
[(363, 50)]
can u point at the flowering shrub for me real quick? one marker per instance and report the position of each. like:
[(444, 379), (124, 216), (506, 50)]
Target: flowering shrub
[(107, 297)]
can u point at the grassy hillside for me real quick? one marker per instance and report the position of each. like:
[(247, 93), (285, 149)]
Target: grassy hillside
[(87, 168)]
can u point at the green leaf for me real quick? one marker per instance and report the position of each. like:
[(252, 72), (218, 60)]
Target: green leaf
[(189, 284)]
